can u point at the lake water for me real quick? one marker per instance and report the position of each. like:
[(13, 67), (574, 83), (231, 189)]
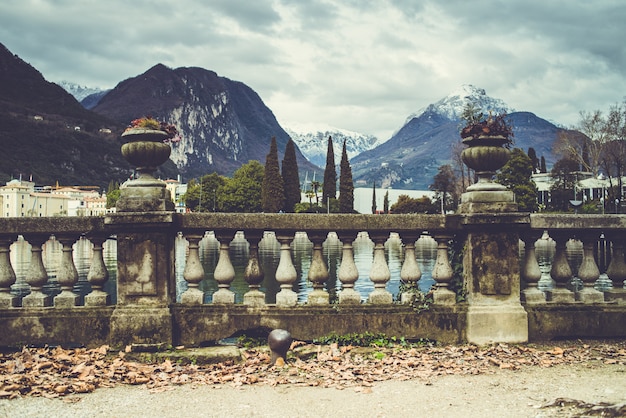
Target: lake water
[(269, 254)]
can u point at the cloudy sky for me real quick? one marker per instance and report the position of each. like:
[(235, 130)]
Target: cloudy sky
[(362, 65)]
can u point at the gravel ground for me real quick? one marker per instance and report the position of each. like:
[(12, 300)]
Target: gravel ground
[(503, 393)]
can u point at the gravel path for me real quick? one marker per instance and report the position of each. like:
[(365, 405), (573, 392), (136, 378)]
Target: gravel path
[(503, 393)]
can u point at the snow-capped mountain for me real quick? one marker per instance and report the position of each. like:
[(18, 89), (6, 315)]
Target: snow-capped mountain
[(79, 92), (452, 105), (313, 141), (412, 156)]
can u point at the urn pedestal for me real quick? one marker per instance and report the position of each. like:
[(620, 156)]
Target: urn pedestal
[(490, 261)]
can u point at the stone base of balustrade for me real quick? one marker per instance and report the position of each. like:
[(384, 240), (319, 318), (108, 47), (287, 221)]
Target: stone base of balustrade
[(97, 298), (141, 325), (224, 296), (488, 324), (36, 300), (444, 297), (66, 299), (286, 297), (318, 297), (254, 298), (349, 296), (615, 295), (8, 301), (589, 295), (380, 297), (192, 296), (560, 295), (532, 296)]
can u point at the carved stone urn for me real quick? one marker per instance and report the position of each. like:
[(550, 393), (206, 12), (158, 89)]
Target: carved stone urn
[(146, 151), (485, 155)]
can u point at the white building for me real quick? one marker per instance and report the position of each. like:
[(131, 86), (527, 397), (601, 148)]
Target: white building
[(19, 199), (177, 190), (22, 199)]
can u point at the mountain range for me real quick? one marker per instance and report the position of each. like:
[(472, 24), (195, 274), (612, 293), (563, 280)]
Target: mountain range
[(224, 124), (412, 156)]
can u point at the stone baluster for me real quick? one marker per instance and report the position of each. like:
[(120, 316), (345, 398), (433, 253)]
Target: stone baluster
[(7, 275), (443, 273), (616, 271), (224, 271), (560, 272), (193, 272), (67, 275), (36, 276), (98, 275), (348, 273), (410, 272), (318, 272), (379, 273), (253, 273), (286, 274), (530, 272), (589, 271)]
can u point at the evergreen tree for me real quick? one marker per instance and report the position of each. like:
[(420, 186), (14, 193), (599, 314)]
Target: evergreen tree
[(113, 194), (532, 154), (543, 168), (374, 198), (386, 202), (516, 175), (291, 177), (272, 191), (346, 185), (329, 188)]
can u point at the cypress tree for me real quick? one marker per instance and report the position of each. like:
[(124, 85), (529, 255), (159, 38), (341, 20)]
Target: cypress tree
[(386, 202), (272, 191), (346, 186), (291, 177), (329, 188), (543, 165), (374, 198)]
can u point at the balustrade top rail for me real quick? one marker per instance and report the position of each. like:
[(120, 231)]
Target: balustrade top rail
[(111, 224)]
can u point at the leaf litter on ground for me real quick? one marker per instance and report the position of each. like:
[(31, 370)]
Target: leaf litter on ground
[(57, 372)]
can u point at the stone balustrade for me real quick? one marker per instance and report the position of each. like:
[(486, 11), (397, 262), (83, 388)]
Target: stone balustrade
[(146, 310)]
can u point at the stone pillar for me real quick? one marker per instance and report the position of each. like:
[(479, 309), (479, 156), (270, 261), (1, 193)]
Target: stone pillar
[(97, 275), (254, 272), (7, 275), (224, 271), (616, 270), (379, 273), (561, 272), (410, 272), (193, 272), (588, 271), (36, 276), (146, 233), (318, 272), (348, 273), (67, 275), (530, 270), (491, 260), (286, 274), (442, 272)]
